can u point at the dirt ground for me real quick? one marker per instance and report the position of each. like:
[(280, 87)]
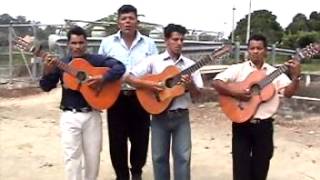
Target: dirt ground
[(30, 146)]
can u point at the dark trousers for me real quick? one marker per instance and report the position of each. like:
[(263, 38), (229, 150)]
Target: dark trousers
[(128, 120), (252, 149)]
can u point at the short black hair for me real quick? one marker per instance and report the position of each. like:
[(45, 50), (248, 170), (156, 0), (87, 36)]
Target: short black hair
[(259, 37), (77, 30), (127, 8), (170, 28)]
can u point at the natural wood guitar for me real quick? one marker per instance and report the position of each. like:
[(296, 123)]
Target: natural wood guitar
[(261, 88), (75, 77), (157, 102)]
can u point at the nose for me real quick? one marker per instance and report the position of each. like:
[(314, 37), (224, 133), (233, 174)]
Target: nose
[(255, 51), (78, 45)]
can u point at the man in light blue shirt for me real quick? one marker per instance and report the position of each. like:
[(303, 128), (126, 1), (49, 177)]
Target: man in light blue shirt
[(126, 118)]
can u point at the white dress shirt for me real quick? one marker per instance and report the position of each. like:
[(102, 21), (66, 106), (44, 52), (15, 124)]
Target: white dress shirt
[(239, 72), (158, 63)]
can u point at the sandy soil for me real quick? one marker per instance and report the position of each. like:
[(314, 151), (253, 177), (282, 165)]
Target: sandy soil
[(30, 144)]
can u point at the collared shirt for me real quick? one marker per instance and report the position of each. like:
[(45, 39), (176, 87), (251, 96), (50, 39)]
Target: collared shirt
[(158, 63), (115, 46), (74, 99), (239, 72)]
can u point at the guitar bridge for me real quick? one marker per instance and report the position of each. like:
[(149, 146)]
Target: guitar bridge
[(157, 96)]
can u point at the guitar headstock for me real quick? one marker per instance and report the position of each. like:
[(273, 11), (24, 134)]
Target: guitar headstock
[(27, 44), (222, 51), (308, 52)]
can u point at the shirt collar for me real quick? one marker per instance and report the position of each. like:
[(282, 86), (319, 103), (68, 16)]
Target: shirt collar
[(166, 56), (137, 38), (264, 66)]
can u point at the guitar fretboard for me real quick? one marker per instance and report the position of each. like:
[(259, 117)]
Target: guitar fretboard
[(216, 54), (60, 64)]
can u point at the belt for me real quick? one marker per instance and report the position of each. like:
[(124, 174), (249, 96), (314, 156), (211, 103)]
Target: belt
[(128, 92), (179, 110), (84, 109), (258, 120)]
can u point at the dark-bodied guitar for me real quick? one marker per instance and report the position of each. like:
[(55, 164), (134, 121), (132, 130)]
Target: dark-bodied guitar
[(76, 74), (157, 102), (261, 88)]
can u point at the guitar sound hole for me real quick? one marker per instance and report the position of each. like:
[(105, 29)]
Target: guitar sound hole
[(169, 83), (81, 76), (255, 89)]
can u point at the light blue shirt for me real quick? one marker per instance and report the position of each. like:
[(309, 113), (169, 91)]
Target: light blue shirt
[(115, 46)]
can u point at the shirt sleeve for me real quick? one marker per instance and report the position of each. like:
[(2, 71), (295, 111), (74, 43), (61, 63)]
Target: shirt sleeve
[(153, 48), (50, 81), (197, 79), (102, 48), (281, 82), (228, 75), (116, 71)]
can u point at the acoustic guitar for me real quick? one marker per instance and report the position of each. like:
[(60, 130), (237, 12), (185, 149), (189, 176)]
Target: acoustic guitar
[(76, 75), (157, 102), (261, 88)]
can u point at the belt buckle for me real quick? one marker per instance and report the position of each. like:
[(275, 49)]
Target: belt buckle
[(127, 92), (85, 109), (73, 110), (255, 121)]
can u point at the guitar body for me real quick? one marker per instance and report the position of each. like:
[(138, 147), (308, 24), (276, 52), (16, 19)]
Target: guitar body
[(156, 103), (241, 111), (107, 95)]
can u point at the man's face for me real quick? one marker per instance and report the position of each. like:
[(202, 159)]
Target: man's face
[(257, 52), (127, 22), (175, 43), (77, 45)]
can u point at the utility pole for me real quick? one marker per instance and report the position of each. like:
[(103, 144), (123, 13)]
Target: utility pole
[(232, 32), (248, 23), (248, 30)]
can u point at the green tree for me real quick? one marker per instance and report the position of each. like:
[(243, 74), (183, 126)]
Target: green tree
[(314, 21), (262, 22), (299, 23), (300, 39)]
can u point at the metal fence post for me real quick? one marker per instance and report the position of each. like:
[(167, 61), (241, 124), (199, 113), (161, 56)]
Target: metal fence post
[(237, 51), (273, 54), (10, 54)]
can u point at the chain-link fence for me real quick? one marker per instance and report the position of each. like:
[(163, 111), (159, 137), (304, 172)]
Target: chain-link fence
[(17, 65)]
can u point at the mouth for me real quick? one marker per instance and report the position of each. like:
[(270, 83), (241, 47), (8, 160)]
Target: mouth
[(128, 27)]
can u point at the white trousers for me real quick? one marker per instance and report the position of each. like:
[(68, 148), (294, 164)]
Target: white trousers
[(81, 136)]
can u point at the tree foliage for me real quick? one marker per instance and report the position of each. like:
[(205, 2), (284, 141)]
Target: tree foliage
[(299, 23), (262, 22), (314, 21), (42, 33), (302, 31)]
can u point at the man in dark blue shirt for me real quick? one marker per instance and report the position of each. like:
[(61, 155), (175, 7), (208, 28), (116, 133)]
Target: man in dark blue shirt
[(80, 124)]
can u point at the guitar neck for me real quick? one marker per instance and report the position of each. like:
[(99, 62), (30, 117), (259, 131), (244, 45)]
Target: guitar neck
[(200, 63), (273, 75), (197, 65), (278, 72), (60, 64)]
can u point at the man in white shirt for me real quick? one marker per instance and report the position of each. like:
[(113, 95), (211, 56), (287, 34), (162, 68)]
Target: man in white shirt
[(173, 124), (252, 141)]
